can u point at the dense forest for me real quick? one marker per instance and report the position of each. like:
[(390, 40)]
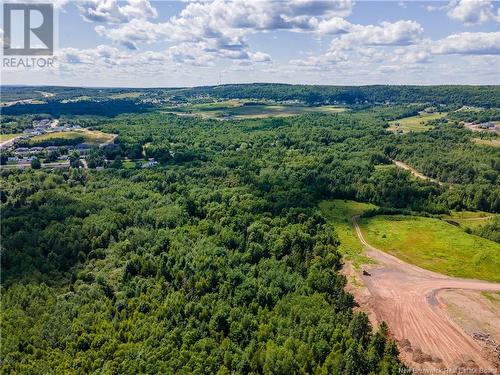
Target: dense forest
[(218, 260)]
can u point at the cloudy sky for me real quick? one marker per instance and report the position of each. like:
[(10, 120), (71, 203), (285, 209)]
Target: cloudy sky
[(144, 43)]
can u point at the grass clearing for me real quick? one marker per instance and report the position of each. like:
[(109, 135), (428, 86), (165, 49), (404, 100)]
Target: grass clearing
[(126, 95), (238, 109), (8, 137), (414, 123), (487, 142), (435, 245), (129, 164), (339, 212), (89, 136), (469, 219)]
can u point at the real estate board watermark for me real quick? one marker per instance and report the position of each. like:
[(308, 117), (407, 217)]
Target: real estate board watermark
[(29, 36)]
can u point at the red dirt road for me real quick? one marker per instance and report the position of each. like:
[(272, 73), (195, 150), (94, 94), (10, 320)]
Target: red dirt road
[(406, 297)]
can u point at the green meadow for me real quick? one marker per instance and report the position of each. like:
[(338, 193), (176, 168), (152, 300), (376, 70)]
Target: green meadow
[(340, 212), (238, 109), (7, 137), (435, 245), (89, 136), (415, 123)]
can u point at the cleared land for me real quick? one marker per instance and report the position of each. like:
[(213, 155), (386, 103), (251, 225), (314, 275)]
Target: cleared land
[(89, 136), (435, 245), (412, 300), (475, 311), (8, 137), (407, 298), (469, 219), (414, 123), (487, 142), (339, 212), (243, 109), (126, 95)]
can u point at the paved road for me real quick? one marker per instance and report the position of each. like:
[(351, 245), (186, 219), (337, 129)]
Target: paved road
[(407, 298)]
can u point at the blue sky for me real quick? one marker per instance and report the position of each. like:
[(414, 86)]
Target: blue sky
[(141, 43)]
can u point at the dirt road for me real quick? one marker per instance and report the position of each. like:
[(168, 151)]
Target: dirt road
[(407, 298), (417, 174)]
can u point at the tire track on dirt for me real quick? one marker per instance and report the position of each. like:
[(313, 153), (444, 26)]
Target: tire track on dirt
[(407, 298)]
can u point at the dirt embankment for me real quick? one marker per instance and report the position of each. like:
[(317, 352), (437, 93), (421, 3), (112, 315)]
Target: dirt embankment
[(408, 299)]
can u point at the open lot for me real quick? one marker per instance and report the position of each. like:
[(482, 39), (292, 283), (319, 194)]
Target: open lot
[(414, 123), (410, 299), (244, 109), (435, 245), (88, 136)]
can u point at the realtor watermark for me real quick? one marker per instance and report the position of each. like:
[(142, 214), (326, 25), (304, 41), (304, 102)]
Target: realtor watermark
[(29, 36)]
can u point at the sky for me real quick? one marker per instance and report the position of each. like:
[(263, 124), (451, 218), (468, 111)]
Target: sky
[(142, 43)]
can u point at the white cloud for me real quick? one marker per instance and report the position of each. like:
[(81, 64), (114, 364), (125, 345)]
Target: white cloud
[(133, 32), (109, 11), (468, 44), (396, 33), (358, 51), (334, 25), (219, 27), (360, 37), (472, 12)]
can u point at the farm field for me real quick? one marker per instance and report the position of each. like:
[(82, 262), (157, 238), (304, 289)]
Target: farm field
[(243, 109), (435, 245), (414, 123), (339, 212)]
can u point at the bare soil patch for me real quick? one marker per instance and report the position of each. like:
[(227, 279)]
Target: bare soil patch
[(408, 299)]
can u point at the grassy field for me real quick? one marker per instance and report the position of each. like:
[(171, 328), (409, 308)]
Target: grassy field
[(435, 245), (469, 219), (89, 136), (6, 137), (339, 212), (243, 109), (414, 123), (487, 142), (126, 95)]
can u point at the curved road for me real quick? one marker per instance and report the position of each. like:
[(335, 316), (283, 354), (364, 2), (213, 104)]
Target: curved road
[(414, 172), (405, 296)]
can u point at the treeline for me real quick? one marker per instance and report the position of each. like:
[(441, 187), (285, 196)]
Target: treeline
[(108, 108), (476, 116), (482, 96), (447, 154), (453, 96)]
